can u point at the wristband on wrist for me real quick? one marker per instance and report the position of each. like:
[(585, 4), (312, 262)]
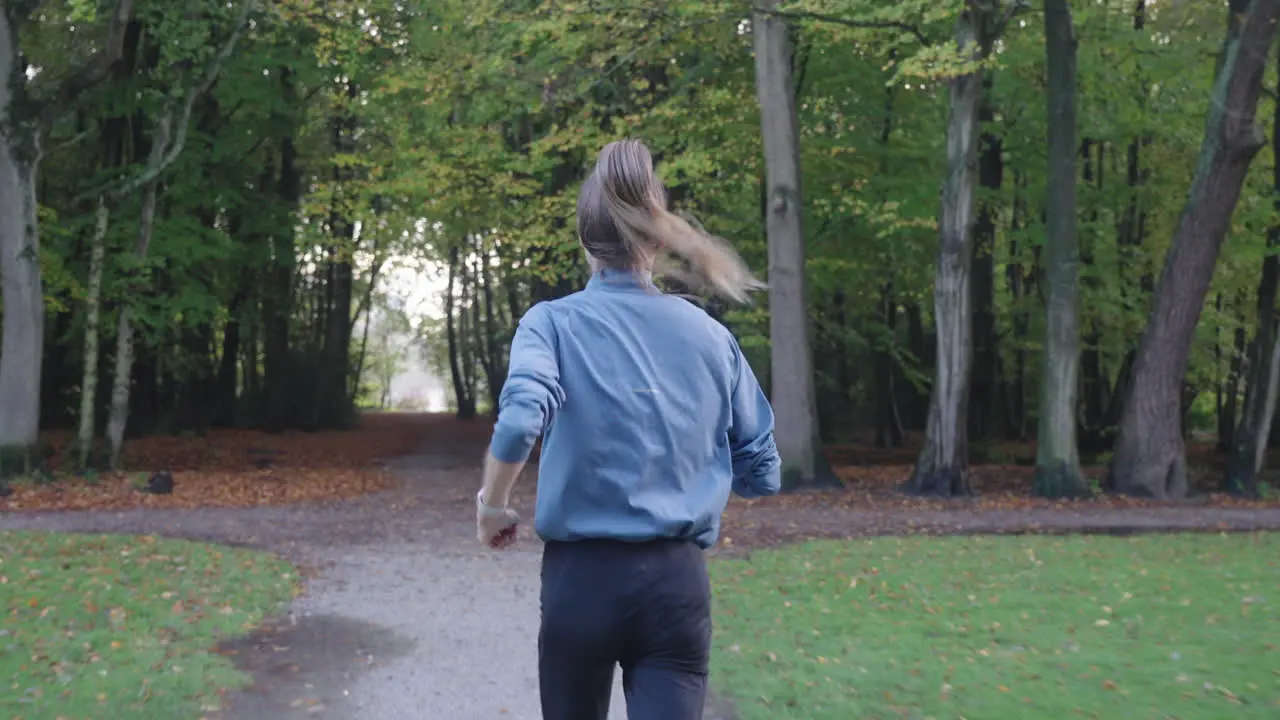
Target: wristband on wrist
[(484, 505)]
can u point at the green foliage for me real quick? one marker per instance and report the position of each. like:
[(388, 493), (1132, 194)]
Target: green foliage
[(421, 133)]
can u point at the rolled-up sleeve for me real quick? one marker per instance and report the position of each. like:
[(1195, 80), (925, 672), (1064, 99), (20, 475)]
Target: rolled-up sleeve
[(532, 393), (757, 468)]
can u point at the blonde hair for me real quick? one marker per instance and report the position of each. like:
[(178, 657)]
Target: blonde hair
[(623, 223)]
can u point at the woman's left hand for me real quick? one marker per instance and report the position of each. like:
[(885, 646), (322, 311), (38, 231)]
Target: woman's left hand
[(495, 527)]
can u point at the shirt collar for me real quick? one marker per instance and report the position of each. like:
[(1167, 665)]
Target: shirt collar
[(613, 279)]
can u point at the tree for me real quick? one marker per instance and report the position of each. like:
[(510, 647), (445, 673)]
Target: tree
[(337, 145), (24, 118), (389, 347), (1150, 457), (167, 141), (942, 468), (92, 326), (792, 387), (1250, 438), (1057, 457)]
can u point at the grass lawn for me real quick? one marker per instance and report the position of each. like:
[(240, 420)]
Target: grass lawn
[(992, 628), (98, 626)]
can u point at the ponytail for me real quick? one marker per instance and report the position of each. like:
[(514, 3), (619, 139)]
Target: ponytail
[(623, 222)]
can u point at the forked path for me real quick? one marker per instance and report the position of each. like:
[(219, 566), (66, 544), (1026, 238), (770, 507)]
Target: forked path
[(404, 618)]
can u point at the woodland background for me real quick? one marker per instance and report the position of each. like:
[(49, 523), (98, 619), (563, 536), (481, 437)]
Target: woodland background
[(985, 224)]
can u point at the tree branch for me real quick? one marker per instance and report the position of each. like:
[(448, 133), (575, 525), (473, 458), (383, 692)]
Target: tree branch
[(847, 22), (652, 13), (163, 152), (211, 75), (1014, 8), (93, 71), (73, 140)]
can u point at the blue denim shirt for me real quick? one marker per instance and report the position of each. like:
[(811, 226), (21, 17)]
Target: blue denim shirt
[(651, 415)]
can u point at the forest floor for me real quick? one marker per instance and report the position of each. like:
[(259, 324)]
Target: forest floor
[(400, 606)]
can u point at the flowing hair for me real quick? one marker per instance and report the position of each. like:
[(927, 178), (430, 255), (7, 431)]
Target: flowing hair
[(623, 223)]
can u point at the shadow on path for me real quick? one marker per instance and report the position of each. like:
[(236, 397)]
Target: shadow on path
[(305, 667)]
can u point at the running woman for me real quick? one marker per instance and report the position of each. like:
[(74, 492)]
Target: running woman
[(651, 417)]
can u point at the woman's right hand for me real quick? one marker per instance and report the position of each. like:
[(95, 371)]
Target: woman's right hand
[(495, 527)]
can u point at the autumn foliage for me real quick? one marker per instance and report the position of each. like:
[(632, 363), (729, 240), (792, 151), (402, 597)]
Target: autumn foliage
[(236, 468), (241, 468)]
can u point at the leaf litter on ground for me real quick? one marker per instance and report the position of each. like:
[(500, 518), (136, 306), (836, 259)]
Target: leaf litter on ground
[(230, 468), (235, 468)]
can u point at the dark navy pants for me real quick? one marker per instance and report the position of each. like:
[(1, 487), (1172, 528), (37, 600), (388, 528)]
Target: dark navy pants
[(643, 606)]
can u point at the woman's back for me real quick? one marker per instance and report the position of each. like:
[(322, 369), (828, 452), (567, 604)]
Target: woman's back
[(653, 391)]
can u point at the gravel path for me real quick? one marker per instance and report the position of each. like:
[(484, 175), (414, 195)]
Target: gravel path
[(405, 618)]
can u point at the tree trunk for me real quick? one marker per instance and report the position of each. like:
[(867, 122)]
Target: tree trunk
[(250, 380), (1150, 457), (119, 411), (888, 423), (277, 304), (225, 399), (1229, 391), (1094, 384), (982, 415), (917, 397), (366, 309), (22, 341), (1133, 228), (357, 373), (1255, 425), (889, 433), (340, 358), (330, 405), (1249, 441), (1267, 414), (942, 468), (1057, 457), (496, 368), (478, 328), (92, 333), (1016, 387), (793, 396), (466, 409), (119, 408), (22, 120), (467, 336)]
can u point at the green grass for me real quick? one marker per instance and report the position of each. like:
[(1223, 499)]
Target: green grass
[(97, 626), (1157, 627)]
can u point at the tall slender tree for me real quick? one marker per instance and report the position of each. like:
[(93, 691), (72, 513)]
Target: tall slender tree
[(943, 465), (1057, 456), (792, 385)]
